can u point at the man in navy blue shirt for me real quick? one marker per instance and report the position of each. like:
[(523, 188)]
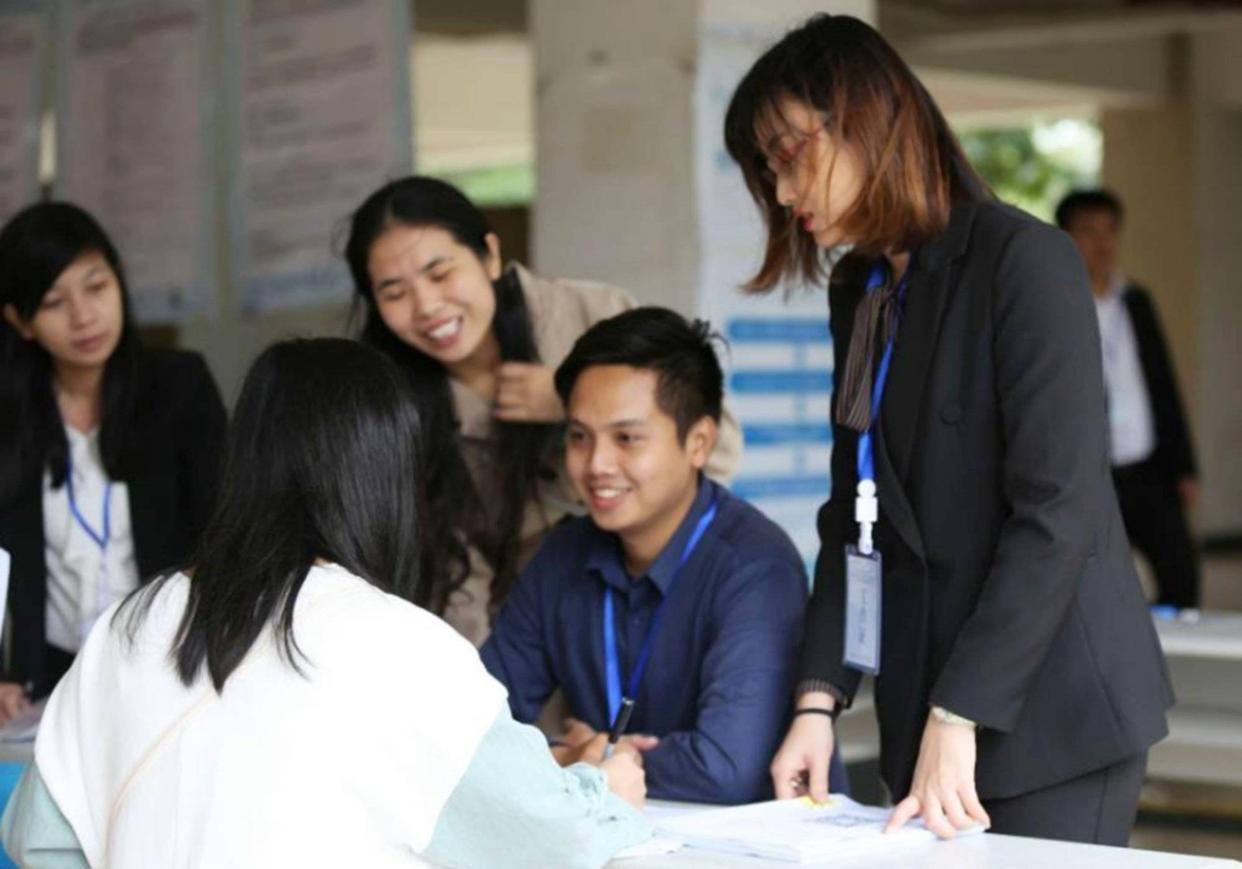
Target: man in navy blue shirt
[(672, 593)]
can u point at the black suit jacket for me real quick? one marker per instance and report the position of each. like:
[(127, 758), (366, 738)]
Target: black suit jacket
[(1009, 594), (1174, 453), (179, 432)]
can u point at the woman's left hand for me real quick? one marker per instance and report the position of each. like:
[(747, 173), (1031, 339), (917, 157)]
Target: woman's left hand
[(525, 393), (943, 791)]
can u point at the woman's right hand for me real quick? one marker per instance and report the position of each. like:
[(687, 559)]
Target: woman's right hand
[(13, 701), (626, 778), (800, 767)]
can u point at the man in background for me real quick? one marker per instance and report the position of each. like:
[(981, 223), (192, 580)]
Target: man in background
[(1153, 460)]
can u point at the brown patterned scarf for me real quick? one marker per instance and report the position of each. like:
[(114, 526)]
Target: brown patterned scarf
[(875, 321)]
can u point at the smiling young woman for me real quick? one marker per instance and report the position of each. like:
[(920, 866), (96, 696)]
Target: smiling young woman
[(108, 450), (479, 341), (1019, 680)]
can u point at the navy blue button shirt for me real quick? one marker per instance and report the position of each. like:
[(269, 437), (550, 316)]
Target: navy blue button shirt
[(719, 682)]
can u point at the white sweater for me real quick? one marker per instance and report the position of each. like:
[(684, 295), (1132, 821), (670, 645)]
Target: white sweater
[(377, 756)]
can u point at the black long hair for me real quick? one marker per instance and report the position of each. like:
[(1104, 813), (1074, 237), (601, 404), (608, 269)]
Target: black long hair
[(457, 516), (36, 245), (321, 462)]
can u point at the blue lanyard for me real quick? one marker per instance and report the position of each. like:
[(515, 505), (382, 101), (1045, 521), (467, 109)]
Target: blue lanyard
[(866, 454), (612, 661), (101, 539)]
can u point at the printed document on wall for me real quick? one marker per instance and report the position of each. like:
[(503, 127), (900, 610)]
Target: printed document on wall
[(23, 46), (134, 142), (319, 117)]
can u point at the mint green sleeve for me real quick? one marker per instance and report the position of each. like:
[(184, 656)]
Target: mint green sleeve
[(516, 807), (36, 834)]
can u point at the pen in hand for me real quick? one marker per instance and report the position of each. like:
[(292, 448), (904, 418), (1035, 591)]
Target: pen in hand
[(618, 726)]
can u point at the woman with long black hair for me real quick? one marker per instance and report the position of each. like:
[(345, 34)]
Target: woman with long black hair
[(109, 451), (479, 342), (972, 553), (281, 702)]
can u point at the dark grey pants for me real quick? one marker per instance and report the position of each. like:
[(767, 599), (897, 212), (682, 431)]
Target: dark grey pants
[(1096, 808)]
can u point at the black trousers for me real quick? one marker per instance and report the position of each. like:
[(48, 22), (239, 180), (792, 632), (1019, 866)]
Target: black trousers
[(1096, 808), (1156, 525)]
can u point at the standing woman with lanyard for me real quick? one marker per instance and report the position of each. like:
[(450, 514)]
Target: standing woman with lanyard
[(108, 450), (972, 554), (479, 342)]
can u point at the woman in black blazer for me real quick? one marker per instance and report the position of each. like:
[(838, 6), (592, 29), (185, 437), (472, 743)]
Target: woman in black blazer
[(85, 404), (1019, 677)]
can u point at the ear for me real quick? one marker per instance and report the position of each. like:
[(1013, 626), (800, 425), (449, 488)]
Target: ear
[(700, 441), (14, 319), (494, 263)]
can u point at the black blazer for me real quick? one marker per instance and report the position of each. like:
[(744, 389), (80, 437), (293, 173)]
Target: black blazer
[(1009, 594), (1174, 453), (180, 430)]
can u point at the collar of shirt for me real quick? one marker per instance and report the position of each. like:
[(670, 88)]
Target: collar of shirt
[(607, 560), (1116, 287)]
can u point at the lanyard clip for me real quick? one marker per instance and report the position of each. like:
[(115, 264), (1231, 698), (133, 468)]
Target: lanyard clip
[(866, 514)]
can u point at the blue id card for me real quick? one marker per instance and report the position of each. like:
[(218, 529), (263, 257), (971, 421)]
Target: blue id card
[(862, 610)]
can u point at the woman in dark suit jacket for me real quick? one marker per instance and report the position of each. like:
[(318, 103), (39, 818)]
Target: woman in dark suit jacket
[(1019, 677), (77, 386)]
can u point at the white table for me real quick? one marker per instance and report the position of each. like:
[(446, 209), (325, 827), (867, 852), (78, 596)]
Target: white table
[(985, 851), (1204, 651)]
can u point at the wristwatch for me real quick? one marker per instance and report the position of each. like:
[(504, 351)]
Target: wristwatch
[(944, 716)]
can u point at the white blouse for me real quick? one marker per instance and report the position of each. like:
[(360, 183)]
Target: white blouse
[(84, 579)]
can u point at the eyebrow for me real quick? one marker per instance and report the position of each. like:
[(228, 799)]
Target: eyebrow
[(616, 424), (438, 261)]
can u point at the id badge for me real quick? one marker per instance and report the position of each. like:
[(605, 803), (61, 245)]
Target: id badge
[(862, 610)]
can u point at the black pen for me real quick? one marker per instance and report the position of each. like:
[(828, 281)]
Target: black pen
[(618, 726)]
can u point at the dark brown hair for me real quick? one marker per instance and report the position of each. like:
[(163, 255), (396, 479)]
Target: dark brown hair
[(912, 165)]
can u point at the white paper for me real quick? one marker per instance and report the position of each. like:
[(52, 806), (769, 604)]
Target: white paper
[(797, 830), (23, 41), (320, 118), (653, 847), (134, 146)]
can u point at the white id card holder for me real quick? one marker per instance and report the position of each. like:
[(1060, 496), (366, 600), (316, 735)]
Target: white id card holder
[(862, 610)]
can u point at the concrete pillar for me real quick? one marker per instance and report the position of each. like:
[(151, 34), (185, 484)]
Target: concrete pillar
[(1216, 79), (616, 98), (1176, 165)]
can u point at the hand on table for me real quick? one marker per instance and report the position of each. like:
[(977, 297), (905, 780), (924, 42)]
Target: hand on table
[(626, 779), (800, 767), (943, 790), (581, 743)]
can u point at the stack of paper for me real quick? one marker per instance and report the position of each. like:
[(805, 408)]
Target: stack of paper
[(796, 830)]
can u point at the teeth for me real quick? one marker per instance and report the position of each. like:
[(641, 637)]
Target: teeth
[(607, 493), (447, 330)]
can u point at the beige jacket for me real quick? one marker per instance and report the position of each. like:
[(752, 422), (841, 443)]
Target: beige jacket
[(560, 311)]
